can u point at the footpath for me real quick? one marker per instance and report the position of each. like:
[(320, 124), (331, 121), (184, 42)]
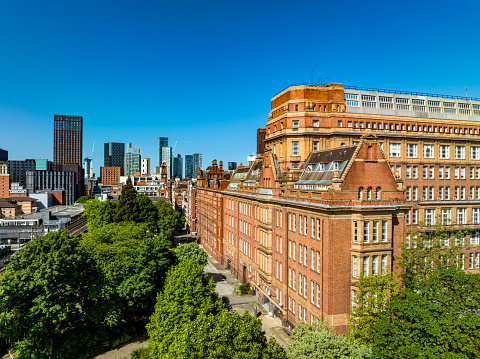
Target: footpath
[(225, 284)]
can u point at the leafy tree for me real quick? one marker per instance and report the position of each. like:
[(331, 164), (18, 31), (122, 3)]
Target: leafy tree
[(435, 314), (129, 267), (99, 213), (41, 293), (148, 213), (84, 199), (319, 341), (169, 220), (192, 251), (224, 335), (127, 209), (187, 293), (373, 295)]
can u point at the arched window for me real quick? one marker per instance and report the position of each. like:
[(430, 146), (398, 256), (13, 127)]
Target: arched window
[(369, 193), (377, 193), (360, 193)]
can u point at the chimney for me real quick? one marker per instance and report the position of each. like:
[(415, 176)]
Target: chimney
[(221, 165), (261, 133)]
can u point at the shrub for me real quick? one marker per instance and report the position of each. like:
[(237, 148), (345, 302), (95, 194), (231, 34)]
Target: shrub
[(140, 353), (245, 289)]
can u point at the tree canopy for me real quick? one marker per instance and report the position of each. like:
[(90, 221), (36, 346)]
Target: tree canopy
[(127, 209), (169, 220), (319, 341), (192, 251), (99, 213), (84, 199)]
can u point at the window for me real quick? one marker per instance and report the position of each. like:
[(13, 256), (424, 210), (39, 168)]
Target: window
[(447, 172), (457, 172), (384, 231), (431, 171), (365, 231), (394, 150), (408, 172), (294, 245), (360, 193), (446, 216), (427, 151), (375, 231), (429, 217), (440, 172), (461, 215), (414, 193), (414, 216), (315, 146), (318, 295), (313, 259), (460, 152), (300, 225), (384, 263), (365, 266), (425, 172), (377, 193), (295, 148), (355, 231), (414, 172), (315, 123), (411, 150), (300, 254), (474, 153), (318, 262), (354, 300), (476, 215), (474, 237), (354, 266), (444, 151), (374, 264)]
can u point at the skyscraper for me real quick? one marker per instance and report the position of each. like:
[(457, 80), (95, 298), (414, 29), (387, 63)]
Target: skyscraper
[(133, 160), (67, 140), (197, 162), (167, 158), (177, 166), (162, 142), (232, 166), (114, 155), (145, 166), (189, 173)]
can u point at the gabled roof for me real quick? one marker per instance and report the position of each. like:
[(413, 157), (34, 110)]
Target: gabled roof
[(240, 172), (255, 171), (320, 165)]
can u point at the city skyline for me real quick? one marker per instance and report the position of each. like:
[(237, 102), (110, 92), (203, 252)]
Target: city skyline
[(132, 84)]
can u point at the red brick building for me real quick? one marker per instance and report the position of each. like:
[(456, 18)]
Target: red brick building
[(110, 175)]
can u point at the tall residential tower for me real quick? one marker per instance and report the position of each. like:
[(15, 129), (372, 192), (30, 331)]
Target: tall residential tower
[(67, 140)]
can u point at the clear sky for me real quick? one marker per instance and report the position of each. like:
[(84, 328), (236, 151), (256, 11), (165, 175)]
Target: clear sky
[(203, 72)]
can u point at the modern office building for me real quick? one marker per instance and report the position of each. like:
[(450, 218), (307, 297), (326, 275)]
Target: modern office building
[(145, 166), (162, 142), (167, 159), (343, 174), (67, 140), (65, 182), (189, 172), (197, 162), (114, 155), (18, 169), (133, 160), (177, 166), (43, 165), (232, 166)]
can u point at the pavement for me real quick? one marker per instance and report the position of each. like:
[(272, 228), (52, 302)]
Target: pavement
[(225, 286)]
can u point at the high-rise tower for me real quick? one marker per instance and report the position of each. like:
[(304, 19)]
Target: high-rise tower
[(67, 141), (177, 165), (114, 155), (189, 173), (133, 160), (162, 142)]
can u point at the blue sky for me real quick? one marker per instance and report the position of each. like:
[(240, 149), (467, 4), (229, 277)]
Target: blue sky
[(203, 72)]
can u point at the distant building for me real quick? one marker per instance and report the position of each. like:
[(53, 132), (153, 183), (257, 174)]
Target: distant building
[(145, 166), (177, 166), (197, 162), (4, 185), (3, 155), (17, 190), (56, 181), (133, 160), (232, 166), (251, 159), (114, 155), (88, 168), (43, 165), (167, 159), (189, 172), (162, 142), (17, 169), (67, 140), (110, 175)]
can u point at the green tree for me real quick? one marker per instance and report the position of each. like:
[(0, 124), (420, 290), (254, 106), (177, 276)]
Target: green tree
[(319, 341), (187, 292), (169, 220), (224, 335), (41, 293), (435, 314), (129, 267), (192, 251), (147, 212), (373, 295), (84, 199), (99, 213), (127, 208)]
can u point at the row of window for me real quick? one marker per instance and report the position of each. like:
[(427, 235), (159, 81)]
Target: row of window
[(315, 294), (446, 216), (428, 193), (428, 151), (303, 255), (411, 172), (368, 265), (408, 127), (371, 231), (315, 231), (369, 193)]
